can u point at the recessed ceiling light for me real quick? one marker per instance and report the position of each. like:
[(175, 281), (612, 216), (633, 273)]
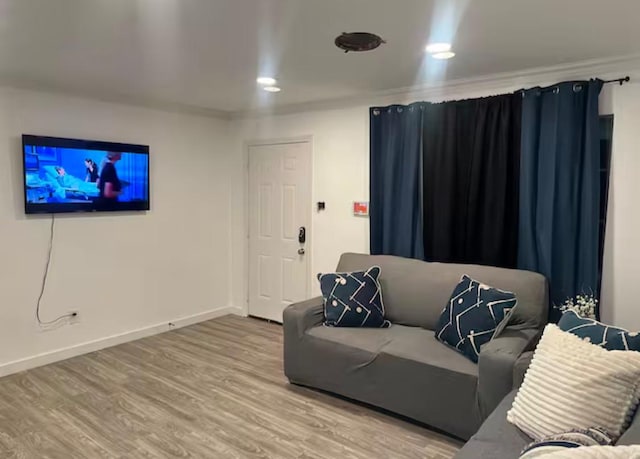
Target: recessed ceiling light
[(272, 89), (443, 55), (434, 48), (266, 81)]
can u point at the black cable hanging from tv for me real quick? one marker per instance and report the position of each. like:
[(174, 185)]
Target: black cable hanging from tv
[(43, 285)]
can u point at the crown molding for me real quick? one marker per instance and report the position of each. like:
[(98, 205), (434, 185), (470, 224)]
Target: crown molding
[(608, 68), (465, 87), (135, 101)]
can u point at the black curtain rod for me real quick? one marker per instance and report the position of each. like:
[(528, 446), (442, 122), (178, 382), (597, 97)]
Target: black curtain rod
[(619, 80), (556, 88)]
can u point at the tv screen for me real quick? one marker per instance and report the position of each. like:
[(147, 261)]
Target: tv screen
[(70, 175)]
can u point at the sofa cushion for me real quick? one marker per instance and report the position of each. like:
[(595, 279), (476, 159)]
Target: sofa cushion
[(415, 291), (368, 339), (611, 338), (411, 343), (353, 299), (472, 316), (402, 369), (420, 345)]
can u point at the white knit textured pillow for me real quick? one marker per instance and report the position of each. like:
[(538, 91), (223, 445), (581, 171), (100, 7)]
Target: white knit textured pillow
[(597, 452), (573, 384)]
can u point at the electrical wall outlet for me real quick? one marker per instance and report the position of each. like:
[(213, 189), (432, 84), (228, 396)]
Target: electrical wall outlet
[(74, 318), (69, 318)]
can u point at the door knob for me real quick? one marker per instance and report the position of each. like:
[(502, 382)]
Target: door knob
[(301, 251)]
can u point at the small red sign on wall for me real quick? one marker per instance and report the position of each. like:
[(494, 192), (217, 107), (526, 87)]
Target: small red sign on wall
[(361, 209)]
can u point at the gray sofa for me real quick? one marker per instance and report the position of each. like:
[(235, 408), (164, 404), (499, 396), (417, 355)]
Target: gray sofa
[(498, 439), (404, 369)]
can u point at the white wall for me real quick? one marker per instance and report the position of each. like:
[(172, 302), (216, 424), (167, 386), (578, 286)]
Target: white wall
[(340, 176), (341, 162), (123, 273), (130, 274), (622, 249)]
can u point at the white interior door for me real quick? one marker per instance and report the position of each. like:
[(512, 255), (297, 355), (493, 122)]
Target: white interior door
[(279, 206)]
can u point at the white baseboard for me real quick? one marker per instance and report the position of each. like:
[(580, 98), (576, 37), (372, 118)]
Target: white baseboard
[(92, 346)]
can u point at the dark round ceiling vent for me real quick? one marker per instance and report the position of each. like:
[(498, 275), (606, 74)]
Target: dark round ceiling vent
[(358, 41)]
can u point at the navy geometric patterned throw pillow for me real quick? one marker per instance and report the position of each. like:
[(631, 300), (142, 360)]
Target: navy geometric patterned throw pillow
[(472, 316), (610, 338), (353, 299)]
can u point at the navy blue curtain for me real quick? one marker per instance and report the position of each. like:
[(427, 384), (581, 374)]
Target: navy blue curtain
[(559, 228), (395, 180)]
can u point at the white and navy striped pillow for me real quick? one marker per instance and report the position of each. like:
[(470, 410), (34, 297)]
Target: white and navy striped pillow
[(597, 452), (566, 440), (573, 384)]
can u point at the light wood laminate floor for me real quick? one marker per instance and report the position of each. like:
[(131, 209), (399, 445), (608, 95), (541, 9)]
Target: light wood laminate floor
[(212, 390)]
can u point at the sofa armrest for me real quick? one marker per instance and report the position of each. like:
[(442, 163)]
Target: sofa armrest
[(520, 368), (496, 365), (300, 317), (297, 319)]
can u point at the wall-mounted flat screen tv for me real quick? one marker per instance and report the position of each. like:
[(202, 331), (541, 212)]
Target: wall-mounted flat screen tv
[(71, 175)]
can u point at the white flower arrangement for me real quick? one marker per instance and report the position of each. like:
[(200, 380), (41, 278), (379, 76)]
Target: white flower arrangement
[(584, 305)]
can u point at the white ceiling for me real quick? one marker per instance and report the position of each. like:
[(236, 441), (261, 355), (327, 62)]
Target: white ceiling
[(207, 53)]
